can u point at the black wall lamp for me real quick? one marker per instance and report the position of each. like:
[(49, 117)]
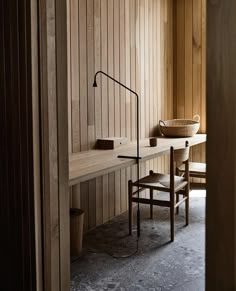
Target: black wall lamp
[(137, 157)]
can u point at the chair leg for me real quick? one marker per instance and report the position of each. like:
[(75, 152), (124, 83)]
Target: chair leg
[(187, 205), (172, 216), (177, 200), (172, 223), (151, 205), (130, 193)]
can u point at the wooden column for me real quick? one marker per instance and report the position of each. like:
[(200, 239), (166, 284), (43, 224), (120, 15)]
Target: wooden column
[(221, 146), (53, 64)]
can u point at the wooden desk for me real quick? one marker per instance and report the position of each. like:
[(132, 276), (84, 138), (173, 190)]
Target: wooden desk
[(87, 165)]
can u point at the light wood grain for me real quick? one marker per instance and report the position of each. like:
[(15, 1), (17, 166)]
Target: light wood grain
[(119, 37), (190, 65), (94, 163), (55, 200)]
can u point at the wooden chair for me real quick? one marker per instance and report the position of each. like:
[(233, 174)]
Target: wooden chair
[(171, 184), (196, 170)]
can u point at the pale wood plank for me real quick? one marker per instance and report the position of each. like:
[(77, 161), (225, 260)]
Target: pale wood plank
[(111, 195), (84, 203), (90, 73), (122, 68), (117, 66), (74, 12), (111, 62), (142, 66), (123, 193), (104, 59), (128, 69), (188, 59), (83, 69), (180, 58), (99, 201), (97, 67), (132, 13), (92, 204), (146, 70), (105, 200), (117, 192)]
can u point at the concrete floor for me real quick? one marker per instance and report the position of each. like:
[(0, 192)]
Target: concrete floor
[(158, 265)]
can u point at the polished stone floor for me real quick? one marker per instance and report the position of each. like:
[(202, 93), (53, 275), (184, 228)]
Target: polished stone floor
[(158, 264)]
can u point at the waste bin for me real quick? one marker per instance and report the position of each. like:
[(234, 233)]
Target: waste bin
[(76, 231)]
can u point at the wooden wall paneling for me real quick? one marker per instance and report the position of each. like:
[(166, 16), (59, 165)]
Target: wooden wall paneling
[(97, 66), (170, 52), (158, 72), (156, 95), (137, 69), (123, 192), (203, 83), (123, 92), (69, 93), (75, 196), (127, 69), (117, 97), (105, 200), (62, 134), (124, 204), (74, 54), (84, 203), (188, 59), (124, 45), (151, 73), (197, 67), (180, 58), (141, 32), (111, 84), (117, 191), (203, 93), (104, 66), (90, 65), (49, 148), (53, 64), (192, 34), (146, 69), (92, 204), (122, 52), (91, 106), (112, 198), (99, 201), (83, 75), (164, 37), (117, 66), (132, 14)]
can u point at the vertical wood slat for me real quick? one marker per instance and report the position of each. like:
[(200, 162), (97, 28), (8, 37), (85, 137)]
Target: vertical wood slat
[(122, 34), (190, 47), (117, 66), (74, 66)]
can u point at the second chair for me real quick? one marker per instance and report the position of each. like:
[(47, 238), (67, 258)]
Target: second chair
[(172, 184)]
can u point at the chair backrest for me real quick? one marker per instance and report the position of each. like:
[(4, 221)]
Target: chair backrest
[(179, 155), (182, 155)]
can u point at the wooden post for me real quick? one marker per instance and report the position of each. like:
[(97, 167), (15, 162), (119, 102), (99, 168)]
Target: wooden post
[(221, 147), (54, 120)]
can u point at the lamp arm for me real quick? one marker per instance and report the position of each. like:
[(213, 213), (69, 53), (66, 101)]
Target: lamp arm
[(137, 120), (137, 103)]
